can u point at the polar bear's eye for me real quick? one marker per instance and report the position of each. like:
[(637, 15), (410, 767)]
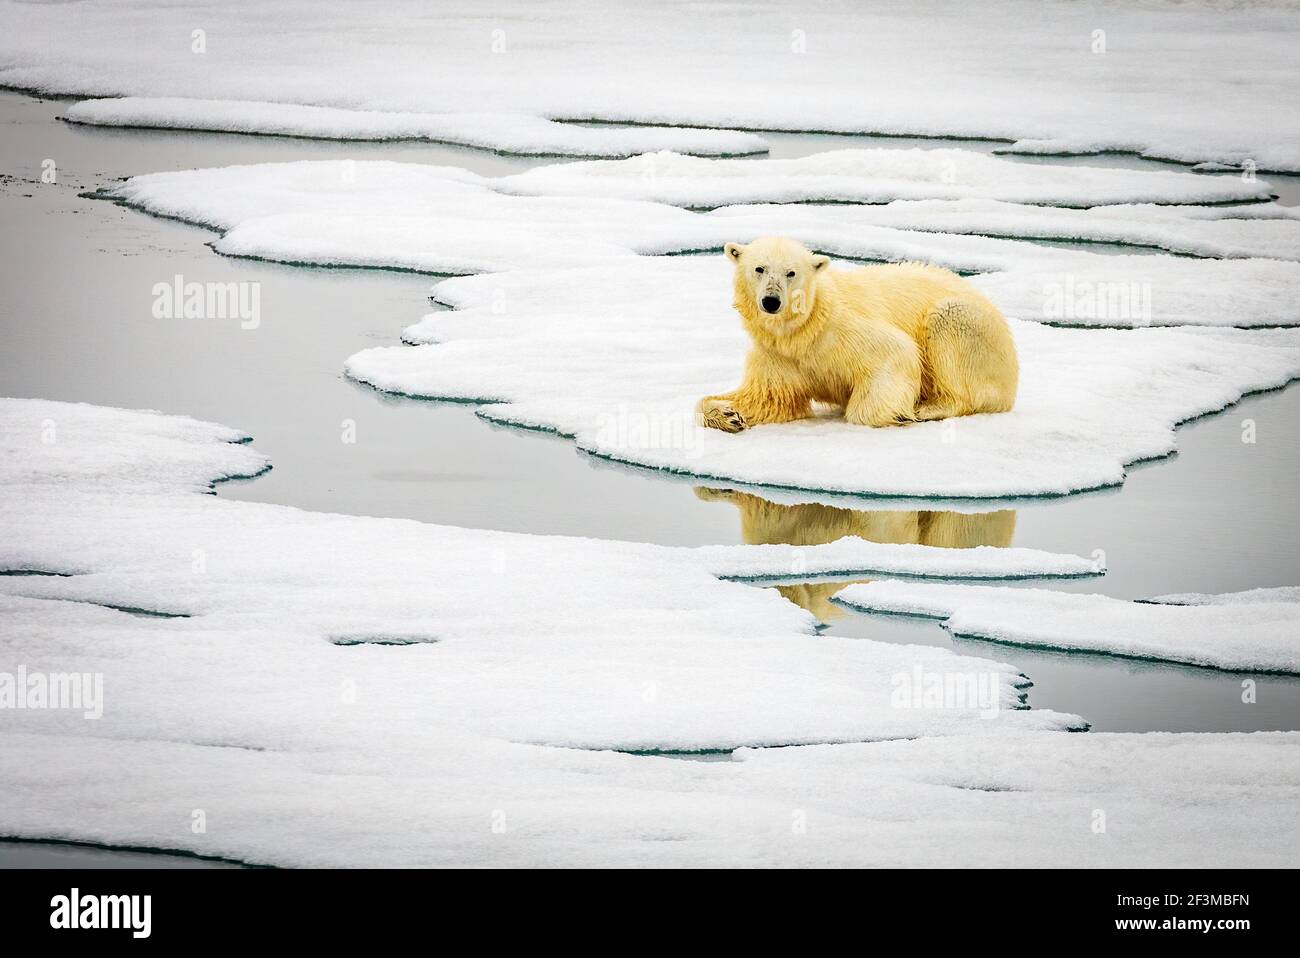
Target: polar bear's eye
[(790, 275), (758, 270)]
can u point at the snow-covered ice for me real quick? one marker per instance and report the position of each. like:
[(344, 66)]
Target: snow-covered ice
[(393, 693), (501, 132), (1141, 77), (308, 754), (77, 446), (313, 743), (444, 799), (872, 176), (1261, 634), (405, 215), (592, 353), (572, 335), (543, 639), (1281, 593), (448, 220), (1264, 230), (1135, 291)]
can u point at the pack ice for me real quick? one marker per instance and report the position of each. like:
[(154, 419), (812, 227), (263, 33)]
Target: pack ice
[(396, 692), (443, 799), (500, 132), (1143, 78), (449, 220), (1257, 631), (874, 176), (1263, 230), (551, 640), (590, 351)]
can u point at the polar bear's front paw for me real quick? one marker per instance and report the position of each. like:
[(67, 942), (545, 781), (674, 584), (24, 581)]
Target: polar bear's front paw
[(719, 414)]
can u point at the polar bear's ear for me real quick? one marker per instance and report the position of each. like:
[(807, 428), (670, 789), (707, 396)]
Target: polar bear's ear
[(819, 262), (733, 251)]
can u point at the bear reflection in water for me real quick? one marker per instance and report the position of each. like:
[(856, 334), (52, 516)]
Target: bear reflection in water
[(764, 522)]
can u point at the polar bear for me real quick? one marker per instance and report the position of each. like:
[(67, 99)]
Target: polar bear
[(891, 344)]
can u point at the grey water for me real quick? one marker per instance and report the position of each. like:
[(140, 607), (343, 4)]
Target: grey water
[(75, 311)]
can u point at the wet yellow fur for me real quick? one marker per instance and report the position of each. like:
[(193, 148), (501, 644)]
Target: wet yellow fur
[(890, 344)]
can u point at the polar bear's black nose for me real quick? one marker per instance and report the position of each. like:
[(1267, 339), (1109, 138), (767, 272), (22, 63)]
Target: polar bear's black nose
[(771, 304)]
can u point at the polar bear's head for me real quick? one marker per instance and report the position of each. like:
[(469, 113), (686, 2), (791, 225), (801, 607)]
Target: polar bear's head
[(776, 282)]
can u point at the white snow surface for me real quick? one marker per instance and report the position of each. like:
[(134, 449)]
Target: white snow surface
[(448, 220), (592, 353), (79, 446), (1191, 800), (548, 640), (1281, 593), (404, 215), (1260, 634), (873, 176), (1147, 76), (1264, 230), (501, 132), (335, 690)]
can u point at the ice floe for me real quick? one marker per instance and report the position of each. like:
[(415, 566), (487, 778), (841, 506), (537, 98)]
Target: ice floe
[(407, 216), (261, 656), (501, 132), (873, 176), (1282, 593), (1164, 148), (548, 640), (1259, 634), (362, 766), (982, 801), (84, 447), (1147, 78), (616, 353), (448, 220), (1136, 291), (596, 354), (1264, 230)]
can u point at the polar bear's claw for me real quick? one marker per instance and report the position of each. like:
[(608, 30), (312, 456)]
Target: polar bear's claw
[(720, 414)]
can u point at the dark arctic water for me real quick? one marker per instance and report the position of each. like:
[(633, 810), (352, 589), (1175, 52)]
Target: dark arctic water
[(75, 313)]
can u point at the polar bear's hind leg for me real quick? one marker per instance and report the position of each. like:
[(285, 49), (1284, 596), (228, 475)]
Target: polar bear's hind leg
[(970, 359)]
